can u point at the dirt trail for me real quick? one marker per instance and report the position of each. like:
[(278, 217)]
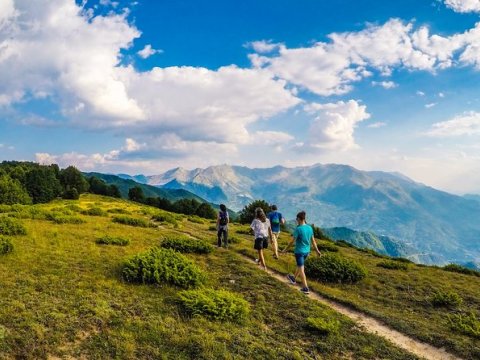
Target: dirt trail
[(374, 326)]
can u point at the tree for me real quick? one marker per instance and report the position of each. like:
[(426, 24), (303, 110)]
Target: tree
[(248, 212), (113, 191), (71, 194), (12, 192), (136, 194), (205, 210), (42, 184), (97, 186), (186, 206), (165, 204), (71, 178)]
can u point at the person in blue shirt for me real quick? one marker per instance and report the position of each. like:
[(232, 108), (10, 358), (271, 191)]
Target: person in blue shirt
[(303, 238), (276, 219)]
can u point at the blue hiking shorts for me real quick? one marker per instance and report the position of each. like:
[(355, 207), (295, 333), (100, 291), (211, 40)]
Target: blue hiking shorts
[(301, 257)]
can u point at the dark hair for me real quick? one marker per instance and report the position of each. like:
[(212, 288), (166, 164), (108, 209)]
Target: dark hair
[(260, 214), (274, 207), (301, 215), (223, 207)]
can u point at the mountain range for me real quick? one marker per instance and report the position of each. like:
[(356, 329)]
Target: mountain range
[(436, 227)]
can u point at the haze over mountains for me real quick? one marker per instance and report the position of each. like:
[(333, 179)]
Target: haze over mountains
[(436, 226)]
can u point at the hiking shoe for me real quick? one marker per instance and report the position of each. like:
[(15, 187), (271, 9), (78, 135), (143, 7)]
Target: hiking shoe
[(291, 279), (275, 256), (305, 290), (257, 261)]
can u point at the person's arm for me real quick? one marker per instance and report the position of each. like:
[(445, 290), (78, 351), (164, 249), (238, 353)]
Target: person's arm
[(314, 242), (282, 219), (289, 244), (218, 221), (270, 234)]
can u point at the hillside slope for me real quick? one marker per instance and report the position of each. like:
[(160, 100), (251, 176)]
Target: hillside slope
[(62, 295)]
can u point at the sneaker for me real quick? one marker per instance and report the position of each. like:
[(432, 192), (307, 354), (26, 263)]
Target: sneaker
[(275, 256), (257, 261), (291, 279), (305, 290)]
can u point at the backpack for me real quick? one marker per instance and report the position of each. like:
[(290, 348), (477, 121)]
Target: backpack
[(223, 218), (275, 218)]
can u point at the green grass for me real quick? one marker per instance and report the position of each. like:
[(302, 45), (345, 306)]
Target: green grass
[(63, 296), (401, 299), (111, 240)]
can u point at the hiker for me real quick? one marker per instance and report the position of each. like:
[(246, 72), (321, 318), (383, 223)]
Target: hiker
[(222, 226), (276, 219), (262, 231), (303, 237)]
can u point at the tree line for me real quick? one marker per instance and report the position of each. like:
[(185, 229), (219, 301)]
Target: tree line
[(182, 206)]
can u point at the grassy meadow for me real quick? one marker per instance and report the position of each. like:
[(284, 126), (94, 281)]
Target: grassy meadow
[(433, 305), (63, 294)]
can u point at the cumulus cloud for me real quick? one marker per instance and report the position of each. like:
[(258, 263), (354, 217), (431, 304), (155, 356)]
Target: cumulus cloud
[(148, 51), (377, 125), (463, 6), (263, 47), (465, 124), (334, 124), (385, 84), (269, 138), (331, 68), (430, 105)]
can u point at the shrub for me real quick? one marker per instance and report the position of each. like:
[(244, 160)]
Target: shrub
[(323, 326), (327, 247), (446, 299), (334, 268), (187, 245), (214, 304), (110, 240), (73, 207), (403, 260), (343, 243), (233, 240), (158, 266), (94, 211), (195, 219), (9, 226), (243, 231), (393, 265), (168, 218), (63, 219), (127, 220), (6, 245), (118, 211), (371, 252), (467, 324), (460, 269), (212, 228)]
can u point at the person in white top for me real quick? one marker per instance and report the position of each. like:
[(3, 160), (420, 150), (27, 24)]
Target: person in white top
[(262, 232)]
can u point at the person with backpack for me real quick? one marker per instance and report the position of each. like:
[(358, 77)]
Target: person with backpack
[(303, 238), (262, 232), (276, 219), (222, 226)]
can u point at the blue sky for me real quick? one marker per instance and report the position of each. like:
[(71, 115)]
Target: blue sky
[(145, 86)]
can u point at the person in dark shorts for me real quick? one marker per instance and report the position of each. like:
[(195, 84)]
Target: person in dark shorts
[(222, 226), (262, 232), (303, 238), (276, 219)]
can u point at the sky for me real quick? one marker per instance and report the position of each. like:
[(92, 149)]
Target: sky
[(141, 87)]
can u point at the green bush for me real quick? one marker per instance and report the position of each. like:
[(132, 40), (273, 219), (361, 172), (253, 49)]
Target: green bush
[(74, 208), (168, 218), (118, 211), (467, 324), (9, 226), (127, 220), (6, 245), (393, 265), (233, 240), (196, 219), (448, 299), (334, 269), (158, 266), (461, 269), (187, 245), (214, 304), (372, 252), (63, 219), (403, 260), (94, 211), (326, 247), (343, 243), (244, 231), (212, 228), (110, 240), (323, 326)]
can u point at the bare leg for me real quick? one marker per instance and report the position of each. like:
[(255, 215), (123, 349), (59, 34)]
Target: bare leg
[(301, 270), (275, 244), (262, 259)]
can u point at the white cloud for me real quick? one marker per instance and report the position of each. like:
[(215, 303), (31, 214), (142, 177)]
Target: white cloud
[(109, 3), (263, 47), (268, 138), (430, 105), (334, 124), (441, 95), (377, 125), (420, 93), (464, 6), (148, 51), (74, 58), (385, 84), (462, 125)]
